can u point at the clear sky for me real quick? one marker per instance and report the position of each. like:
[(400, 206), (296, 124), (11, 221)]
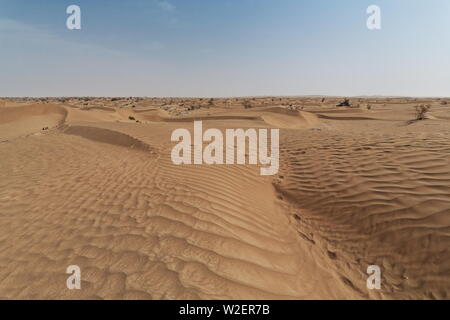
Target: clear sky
[(224, 48)]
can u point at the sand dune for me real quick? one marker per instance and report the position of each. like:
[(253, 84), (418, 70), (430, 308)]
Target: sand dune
[(97, 189), (375, 200), (20, 121)]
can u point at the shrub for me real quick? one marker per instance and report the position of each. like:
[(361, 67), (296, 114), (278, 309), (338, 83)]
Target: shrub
[(131, 118), (192, 107), (421, 111), (247, 104), (345, 103)]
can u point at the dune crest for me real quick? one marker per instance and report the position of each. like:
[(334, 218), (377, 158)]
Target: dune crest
[(24, 120)]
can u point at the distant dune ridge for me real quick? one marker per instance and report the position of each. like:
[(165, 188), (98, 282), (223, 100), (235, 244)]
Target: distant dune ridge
[(90, 182)]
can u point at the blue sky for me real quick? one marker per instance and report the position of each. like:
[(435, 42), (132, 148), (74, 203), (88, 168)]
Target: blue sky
[(224, 48)]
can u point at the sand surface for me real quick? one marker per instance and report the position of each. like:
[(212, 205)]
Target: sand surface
[(90, 182)]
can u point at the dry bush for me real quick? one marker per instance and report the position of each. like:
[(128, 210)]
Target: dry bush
[(421, 111), (247, 104), (345, 103), (193, 107), (444, 103)]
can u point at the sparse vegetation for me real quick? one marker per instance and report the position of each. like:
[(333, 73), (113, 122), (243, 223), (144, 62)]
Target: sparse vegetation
[(192, 108), (131, 118), (345, 103), (247, 104), (421, 111)]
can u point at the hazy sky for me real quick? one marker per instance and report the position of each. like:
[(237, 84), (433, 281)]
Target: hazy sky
[(224, 48)]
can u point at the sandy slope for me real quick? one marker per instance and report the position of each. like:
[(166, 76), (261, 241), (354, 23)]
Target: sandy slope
[(98, 190), (20, 121)]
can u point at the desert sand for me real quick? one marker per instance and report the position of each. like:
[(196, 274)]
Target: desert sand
[(89, 182)]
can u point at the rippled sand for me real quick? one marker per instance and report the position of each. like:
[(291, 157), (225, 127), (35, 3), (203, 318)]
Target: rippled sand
[(97, 189)]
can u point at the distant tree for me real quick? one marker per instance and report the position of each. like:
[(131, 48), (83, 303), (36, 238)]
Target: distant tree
[(247, 104), (345, 103), (421, 111)]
